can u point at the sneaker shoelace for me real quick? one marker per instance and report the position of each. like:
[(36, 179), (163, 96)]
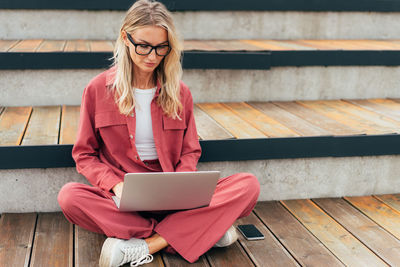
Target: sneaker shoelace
[(136, 255), (143, 260)]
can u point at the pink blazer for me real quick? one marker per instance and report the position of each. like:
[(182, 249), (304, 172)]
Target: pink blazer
[(105, 149)]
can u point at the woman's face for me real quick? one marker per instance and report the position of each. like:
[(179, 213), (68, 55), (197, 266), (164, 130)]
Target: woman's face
[(148, 35)]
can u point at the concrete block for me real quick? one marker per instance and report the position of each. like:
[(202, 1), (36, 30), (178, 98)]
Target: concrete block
[(58, 87), (73, 24), (294, 83), (43, 87), (28, 190)]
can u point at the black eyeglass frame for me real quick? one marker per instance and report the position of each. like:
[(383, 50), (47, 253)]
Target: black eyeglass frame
[(152, 47)]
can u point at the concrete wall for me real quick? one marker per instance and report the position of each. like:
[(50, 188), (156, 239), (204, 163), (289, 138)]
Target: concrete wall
[(57, 87), (27, 190), (67, 24)]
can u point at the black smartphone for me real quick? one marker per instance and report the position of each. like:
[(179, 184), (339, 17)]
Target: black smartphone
[(250, 232)]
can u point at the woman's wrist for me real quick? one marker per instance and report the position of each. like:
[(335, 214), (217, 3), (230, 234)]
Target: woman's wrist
[(117, 189)]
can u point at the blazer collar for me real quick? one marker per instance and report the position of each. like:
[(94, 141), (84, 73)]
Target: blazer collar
[(110, 78)]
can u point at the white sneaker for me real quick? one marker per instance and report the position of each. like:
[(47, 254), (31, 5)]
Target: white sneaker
[(228, 238), (116, 252)]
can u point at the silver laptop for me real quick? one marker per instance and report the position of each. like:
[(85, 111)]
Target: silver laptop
[(167, 190)]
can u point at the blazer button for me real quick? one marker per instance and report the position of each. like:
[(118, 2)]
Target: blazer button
[(131, 136), (136, 157), (132, 114)]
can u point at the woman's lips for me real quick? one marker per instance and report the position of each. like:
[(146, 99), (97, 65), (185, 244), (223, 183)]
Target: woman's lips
[(150, 64)]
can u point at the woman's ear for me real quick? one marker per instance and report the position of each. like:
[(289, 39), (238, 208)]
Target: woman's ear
[(125, 38)]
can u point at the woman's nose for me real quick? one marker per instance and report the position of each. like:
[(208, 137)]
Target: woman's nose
[(152, 54)]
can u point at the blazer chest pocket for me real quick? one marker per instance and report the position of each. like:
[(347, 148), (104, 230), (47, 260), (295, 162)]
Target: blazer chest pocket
[(173, 124), (107, 119)]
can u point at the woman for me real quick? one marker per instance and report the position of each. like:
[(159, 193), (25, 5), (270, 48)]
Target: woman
[(137, 116)]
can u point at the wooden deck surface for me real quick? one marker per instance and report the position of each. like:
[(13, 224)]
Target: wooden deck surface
[(42, 45), (350, 231), (216, 121)]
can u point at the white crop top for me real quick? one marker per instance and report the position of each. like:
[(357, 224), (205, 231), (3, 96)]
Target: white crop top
[(144, 139)]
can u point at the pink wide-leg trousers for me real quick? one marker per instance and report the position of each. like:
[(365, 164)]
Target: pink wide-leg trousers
[(191, 233)]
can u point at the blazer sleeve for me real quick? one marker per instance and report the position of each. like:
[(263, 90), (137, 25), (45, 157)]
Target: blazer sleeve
[(191, 150), (86, 148)]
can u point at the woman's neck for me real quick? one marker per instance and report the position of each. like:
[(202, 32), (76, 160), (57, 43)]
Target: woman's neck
[(144, 80)]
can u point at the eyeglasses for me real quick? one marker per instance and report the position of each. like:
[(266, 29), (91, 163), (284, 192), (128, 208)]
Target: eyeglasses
[(145, 49)]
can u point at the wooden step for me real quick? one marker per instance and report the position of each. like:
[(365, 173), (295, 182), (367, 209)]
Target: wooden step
[(299, 129), (42, 45), (45, 125), (204, 54), (303, 232)]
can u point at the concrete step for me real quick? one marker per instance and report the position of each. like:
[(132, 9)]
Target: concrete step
[(44, 73), (313, 149), (58, 87), (85, 24), (27, 190)]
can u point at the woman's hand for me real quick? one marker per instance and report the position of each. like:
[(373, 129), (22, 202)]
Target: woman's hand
[(118, 189)]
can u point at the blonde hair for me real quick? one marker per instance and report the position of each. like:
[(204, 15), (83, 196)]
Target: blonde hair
[(168, 73)]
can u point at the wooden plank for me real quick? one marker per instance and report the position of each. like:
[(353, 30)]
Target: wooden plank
[(338, 44), (291, 44), (232, 256), (373, 236), (351, 45), (379, 212), (101, 46), (43, 126), (345, 246), (397, 100), (267, 252), (231, 45), (259, 120), (387, 109), (302, 245), (396, 42), (392, 200), (389, 103), (207, 128), (51, 46), (344, 44), (377, 45), (87, 247), (231, 122), (295, 123), (5, 45), (389, 106), (321, 121), (16, 236), (53, 241), (266, 45), (197, 45), (69, 124), (389, 44), (13, 123), (175, 260), (373, 119), (319, 44), (157, 261), (355, 122), (299, 45), (77, 46), (26, 46)]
